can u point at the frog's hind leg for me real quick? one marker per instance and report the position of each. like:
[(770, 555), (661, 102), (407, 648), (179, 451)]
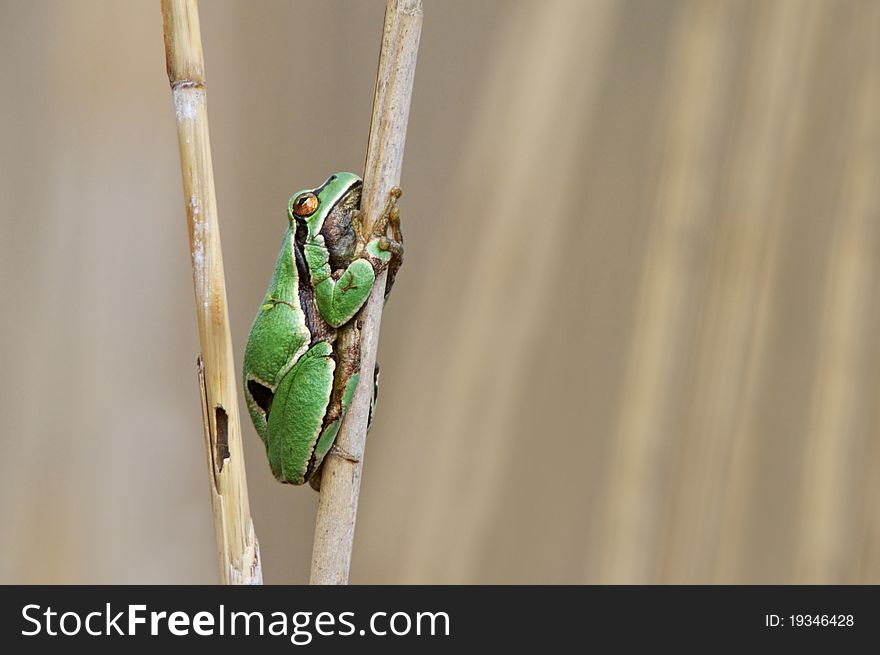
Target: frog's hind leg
[(327, 445), (348, 360), (298, 411)]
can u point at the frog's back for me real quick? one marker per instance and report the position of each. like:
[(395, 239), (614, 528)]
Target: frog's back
[(279, 334)]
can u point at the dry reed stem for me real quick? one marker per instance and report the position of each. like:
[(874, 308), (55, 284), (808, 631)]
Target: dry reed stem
[(237, 545), (341, 478)]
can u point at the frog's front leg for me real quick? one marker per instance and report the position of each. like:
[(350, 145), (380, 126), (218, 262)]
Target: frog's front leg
[(297, 414), (338, 300), (397, 255)]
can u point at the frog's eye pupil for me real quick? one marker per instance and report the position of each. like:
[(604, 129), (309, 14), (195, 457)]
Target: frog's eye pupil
[(305, 205)]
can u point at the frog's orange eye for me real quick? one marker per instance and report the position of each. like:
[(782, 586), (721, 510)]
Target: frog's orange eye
[(305, 204)]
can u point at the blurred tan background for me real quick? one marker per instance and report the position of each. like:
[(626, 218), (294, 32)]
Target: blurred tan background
[(635, 338)]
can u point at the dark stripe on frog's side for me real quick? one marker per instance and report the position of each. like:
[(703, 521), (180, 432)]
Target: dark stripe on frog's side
[(319, 328)]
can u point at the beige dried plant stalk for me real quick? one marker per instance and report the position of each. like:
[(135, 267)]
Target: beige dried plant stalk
[(341, 476), (237, 546)]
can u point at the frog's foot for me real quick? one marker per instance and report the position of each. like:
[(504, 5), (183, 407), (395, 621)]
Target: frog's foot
[(387, 244), (390, 215), (394, 243), (387, 248), (394, 222), (315, 479), (344, 454), (378, 238)]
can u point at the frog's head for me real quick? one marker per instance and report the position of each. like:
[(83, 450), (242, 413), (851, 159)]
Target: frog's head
[(312, 207), (327, 210)]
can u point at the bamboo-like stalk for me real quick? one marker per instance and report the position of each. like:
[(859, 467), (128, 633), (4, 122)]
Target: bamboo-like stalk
[(237, 545), (341, 477)]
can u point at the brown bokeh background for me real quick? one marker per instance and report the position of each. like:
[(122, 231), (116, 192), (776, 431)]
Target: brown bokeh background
[(635, 338)]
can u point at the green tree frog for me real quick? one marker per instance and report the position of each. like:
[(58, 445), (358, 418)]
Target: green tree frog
[(302, 359)]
